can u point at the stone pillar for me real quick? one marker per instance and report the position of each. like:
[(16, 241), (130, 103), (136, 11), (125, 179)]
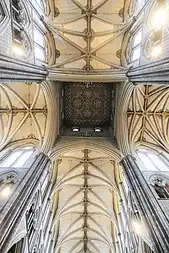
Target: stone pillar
[(20, 200), (152, 213)]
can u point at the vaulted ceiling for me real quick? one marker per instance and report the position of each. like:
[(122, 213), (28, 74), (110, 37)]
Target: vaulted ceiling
[(88, 36), (25, 114), (148, 116), (85, 202)]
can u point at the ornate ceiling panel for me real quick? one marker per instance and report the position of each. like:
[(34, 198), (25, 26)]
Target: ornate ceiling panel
[(88, 104), (88, 35), (87, 203), (148, 116)]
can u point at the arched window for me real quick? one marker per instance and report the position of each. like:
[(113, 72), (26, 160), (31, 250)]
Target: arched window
[(152, 160), (17, 158), (157, 22), (39, 31), (21, 40)]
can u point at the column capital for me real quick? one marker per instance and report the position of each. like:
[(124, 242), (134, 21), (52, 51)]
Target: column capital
[(126, 157)]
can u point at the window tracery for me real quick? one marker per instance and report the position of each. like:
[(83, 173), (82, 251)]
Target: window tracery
[(156, 23), (152, 161), (4, 16), (138, 5), (39, 44), (134, 48), (20, 21), (17, 158)]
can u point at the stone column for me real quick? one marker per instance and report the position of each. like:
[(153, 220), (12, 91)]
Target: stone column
[(18, 203), (152, 213)]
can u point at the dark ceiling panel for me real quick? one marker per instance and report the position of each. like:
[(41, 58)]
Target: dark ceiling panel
[(88, 104)]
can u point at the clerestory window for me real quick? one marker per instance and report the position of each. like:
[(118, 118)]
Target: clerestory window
[(39, 45), (152, 160), (138, 5), (136, 46), (17, 158)]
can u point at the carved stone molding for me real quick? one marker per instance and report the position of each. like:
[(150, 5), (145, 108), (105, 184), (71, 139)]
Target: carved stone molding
[(157, 179), (12, 69), (10, 177)]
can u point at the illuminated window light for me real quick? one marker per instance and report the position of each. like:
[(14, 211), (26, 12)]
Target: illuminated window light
[(159, 18), (136, 227), (18, 50), (28, 148), (156, 51), (75, 129), (97, 129), (5, 192)]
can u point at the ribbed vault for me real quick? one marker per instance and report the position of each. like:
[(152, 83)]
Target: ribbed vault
[(148, 116), (85, 202), (26, 112), (88, 36)]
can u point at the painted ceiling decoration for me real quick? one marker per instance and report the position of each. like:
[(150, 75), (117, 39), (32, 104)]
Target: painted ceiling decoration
[(23, 113), (85, 202), (88, 104), (148, 116), (88, 36)]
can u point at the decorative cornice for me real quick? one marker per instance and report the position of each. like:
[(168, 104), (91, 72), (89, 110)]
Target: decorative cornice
[(92, 76), (154, 72), (16, 70)]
